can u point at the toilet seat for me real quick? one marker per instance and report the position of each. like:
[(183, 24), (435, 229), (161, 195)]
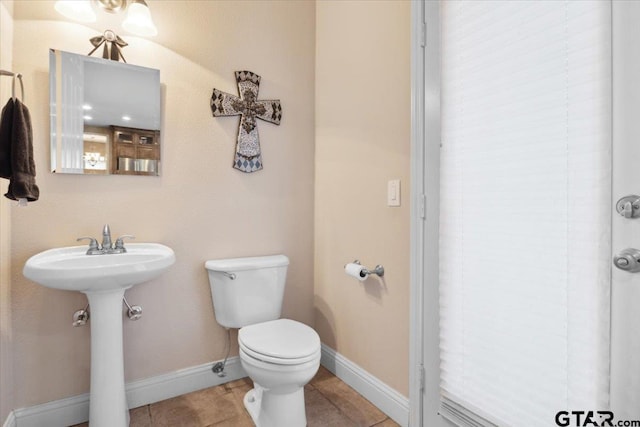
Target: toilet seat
[(277, 360), (282, 342)]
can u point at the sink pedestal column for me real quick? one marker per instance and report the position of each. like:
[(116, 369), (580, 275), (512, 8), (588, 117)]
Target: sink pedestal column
[(108, 401)]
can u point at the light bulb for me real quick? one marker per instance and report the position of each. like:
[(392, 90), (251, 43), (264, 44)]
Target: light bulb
[(139, 20), (78, 10)]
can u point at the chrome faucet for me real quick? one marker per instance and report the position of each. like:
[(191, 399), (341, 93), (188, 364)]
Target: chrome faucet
[(106, 238), (107, 247)]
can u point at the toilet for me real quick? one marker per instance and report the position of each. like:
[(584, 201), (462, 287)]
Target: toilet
[(279, 355)]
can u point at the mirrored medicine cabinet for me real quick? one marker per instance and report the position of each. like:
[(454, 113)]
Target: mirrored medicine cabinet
[(105, 116)]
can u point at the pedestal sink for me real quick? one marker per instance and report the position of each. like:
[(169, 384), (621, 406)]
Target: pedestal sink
[(103, 278)]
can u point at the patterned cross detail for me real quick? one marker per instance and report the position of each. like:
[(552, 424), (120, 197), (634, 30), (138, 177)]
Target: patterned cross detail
[(249, 108)]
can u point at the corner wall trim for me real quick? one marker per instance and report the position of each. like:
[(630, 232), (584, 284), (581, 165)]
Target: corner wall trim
[(389, 401), (75, 410), (10, 421)]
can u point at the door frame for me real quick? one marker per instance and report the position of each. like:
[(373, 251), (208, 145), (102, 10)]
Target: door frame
[(424, 354)]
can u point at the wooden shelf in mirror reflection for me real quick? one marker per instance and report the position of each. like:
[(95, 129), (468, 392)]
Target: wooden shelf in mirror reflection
[(135, 151)]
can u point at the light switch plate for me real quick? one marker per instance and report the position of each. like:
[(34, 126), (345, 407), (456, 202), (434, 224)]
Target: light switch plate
[(393, 193)]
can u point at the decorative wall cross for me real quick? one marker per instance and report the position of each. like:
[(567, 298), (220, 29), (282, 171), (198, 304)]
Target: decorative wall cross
[(249, 108)]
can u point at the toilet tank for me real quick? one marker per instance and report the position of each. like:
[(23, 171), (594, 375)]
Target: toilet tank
[(246, 291)]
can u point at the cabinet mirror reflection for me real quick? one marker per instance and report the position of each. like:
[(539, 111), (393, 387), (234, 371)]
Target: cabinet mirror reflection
[(105, 116)]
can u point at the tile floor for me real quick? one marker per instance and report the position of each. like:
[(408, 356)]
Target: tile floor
[(329, 402)]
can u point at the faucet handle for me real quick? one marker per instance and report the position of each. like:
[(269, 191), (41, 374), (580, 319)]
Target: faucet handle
[(120, 244), (93, 245)]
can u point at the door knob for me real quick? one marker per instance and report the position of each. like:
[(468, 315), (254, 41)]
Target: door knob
[(629, 206), (628, 260)]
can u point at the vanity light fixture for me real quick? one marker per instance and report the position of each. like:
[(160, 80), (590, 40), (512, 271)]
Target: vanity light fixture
[(76, 10), (126, 118), (138, 20), (87, 117), (87, 107)]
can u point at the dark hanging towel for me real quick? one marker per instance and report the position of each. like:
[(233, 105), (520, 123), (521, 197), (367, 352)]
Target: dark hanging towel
[(22, 181), (6, 123)]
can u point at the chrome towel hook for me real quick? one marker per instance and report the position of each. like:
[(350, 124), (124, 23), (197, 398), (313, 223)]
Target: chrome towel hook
[(13, 84)]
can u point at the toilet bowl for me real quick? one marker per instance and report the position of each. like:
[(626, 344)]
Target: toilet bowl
[(281, 357)]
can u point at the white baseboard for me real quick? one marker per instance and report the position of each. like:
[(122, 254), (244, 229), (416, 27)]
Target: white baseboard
[(166, 386), (389, 401), (75, 410), (10, 421)]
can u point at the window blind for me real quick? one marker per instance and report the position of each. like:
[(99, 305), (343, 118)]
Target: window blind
[(525, 199)]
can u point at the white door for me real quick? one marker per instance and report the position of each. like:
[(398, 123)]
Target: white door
[(625, 289), (625, 286)]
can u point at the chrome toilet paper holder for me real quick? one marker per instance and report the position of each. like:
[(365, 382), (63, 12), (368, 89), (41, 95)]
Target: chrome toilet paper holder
[(379, 270)]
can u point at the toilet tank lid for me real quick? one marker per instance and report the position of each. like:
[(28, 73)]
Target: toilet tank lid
[(249, 263)]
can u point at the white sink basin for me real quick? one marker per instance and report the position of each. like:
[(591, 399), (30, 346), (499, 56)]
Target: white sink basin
[(104, 279), (71, 269)]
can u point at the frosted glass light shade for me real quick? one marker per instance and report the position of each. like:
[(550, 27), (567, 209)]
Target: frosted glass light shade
[(78, 10), (139, 20)]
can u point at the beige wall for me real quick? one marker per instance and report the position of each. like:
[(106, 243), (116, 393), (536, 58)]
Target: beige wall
[(204, 209), (200, 206), (362, 141), (6, 343)]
